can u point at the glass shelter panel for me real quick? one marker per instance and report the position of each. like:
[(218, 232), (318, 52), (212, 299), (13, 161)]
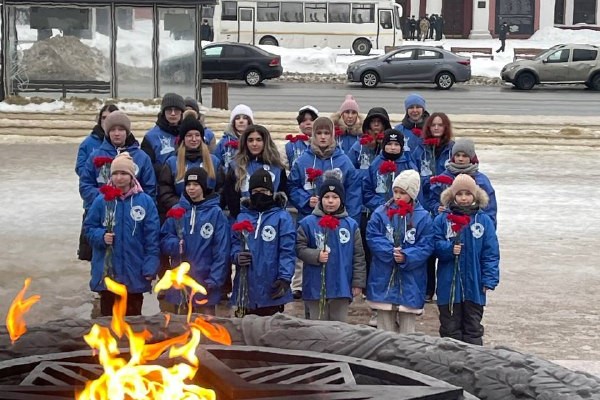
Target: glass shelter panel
[(177, 59)]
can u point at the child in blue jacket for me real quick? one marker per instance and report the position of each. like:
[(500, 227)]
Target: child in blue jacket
[(264, 256), (134, 239), (400, 245), (339, 251), (468, 260), (204, 242)]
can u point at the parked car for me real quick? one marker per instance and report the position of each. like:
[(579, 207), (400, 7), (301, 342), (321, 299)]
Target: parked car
[(234, 61), (563, 63), (412, 64)]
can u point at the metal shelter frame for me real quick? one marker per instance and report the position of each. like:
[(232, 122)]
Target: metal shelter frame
[(112, 6)]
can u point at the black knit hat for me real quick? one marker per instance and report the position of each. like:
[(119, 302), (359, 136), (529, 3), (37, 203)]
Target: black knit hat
[(392, 135), (332, 183), (377, 112), (198, 175), (190, 123), (261, 179), (172, 100)]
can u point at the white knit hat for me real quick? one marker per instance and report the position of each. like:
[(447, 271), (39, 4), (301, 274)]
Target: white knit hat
[(241, 109), (410, 181)]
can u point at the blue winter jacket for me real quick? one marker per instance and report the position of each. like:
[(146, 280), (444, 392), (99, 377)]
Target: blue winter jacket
[(414, 234), (206, 246), (161, 143), (423, 159), (136, 243), (377, 188), (301, 190), (361, 158), (294, 150), (411, 141), (478, 261), (91, 179), (224, 153), (272, 245), (346, 266), (482, 181), (252, 167), (89, 144), (346, 141), (179, 185), (209, 135)]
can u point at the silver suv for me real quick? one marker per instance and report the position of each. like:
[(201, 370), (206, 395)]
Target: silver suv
[(563, 63)]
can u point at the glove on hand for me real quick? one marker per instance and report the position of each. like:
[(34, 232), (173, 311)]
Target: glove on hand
[(244, 259), (280, 287)]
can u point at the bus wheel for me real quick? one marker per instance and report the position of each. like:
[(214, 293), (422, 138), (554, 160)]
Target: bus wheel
[(268, 41), (362, 47), (252, 77)]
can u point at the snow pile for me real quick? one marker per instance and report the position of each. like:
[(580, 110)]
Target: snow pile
[(54, 106), (324, 61), (556, 36)]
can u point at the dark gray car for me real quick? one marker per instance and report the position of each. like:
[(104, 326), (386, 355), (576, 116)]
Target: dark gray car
[(412, 64)]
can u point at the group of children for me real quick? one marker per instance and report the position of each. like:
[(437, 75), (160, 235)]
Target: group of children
[(377, 210)]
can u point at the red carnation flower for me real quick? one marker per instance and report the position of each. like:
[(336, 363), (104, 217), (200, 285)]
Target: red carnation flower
[(291, 138), (404, 208), (417, 131), (232, 144), (329, 222), (441, 179), (380, 137), (110, 192), (302, 137), (366, 139), (176, 213), (313, 174), (431, 142), (338, 131), (242, 226), (458, 222), (387, 167), (100, 161)]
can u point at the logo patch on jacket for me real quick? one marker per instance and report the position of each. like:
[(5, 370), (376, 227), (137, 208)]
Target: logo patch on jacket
[(268, 233), (207, 230), (410, 236), (137, 213), (477, 230), (344, 235)]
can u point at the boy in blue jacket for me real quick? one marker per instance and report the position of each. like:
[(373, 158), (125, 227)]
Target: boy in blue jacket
[(468, 260), (264, 256), (204, 243), (134, 239), (339, 251), (400, 245)]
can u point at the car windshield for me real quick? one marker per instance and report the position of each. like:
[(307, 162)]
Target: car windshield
[(547, 52)]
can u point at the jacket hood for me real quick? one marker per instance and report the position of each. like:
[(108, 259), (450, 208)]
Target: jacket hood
[(98, 132), (280, 199), (331, 151), (377, 112), (481, 197), (355, 130), (131, 144), (317, 212)]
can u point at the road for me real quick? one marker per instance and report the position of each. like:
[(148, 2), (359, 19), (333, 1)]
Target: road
[(546, 303)]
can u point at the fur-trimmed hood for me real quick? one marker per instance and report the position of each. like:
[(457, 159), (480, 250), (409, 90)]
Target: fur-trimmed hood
[(481, 197), (355, 130), (280, 199)]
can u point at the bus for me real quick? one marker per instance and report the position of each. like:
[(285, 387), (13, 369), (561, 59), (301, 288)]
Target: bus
[(361, 25)]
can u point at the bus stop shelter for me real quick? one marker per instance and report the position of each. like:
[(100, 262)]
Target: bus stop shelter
[(101, 48)]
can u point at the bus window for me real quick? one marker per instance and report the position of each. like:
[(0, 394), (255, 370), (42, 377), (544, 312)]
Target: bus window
[(315, 12), (397, 20), (267, 11), (339, 12), (385, 19), (363, 13), (291, 12), (229, 11), (245, 14)]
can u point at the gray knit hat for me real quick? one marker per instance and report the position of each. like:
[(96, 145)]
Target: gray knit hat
[(117, 118), (466, 146), (172, 100), (191, 102)]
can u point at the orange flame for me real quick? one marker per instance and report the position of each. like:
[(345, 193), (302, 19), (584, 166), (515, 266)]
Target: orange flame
[(14, 320), (133, 378)]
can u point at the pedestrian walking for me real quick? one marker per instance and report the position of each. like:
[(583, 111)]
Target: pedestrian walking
[(502, 34), (424, 28)]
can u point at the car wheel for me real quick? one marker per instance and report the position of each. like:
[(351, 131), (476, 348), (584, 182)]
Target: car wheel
[(268, 41), (253, 77), (525, 81), (444, 80), (369, 79), (362, 47), (595, 82)]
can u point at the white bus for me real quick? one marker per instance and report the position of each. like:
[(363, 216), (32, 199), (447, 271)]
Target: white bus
[(360, 25)]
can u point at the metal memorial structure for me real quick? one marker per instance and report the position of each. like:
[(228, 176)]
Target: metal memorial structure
[(109, 47)]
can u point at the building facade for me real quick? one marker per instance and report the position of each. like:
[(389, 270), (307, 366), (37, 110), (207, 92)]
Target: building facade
[(480, 19)]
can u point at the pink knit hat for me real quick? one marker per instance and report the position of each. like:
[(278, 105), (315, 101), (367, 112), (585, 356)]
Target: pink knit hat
[(349, 104)]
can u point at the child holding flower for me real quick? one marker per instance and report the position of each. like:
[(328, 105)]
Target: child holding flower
[(330, 244), (124, 233), (468, 252), (262, 247), (400, 237)]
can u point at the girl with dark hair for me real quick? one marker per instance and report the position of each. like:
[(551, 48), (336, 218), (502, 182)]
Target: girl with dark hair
[(256, 151), (95, 138)]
